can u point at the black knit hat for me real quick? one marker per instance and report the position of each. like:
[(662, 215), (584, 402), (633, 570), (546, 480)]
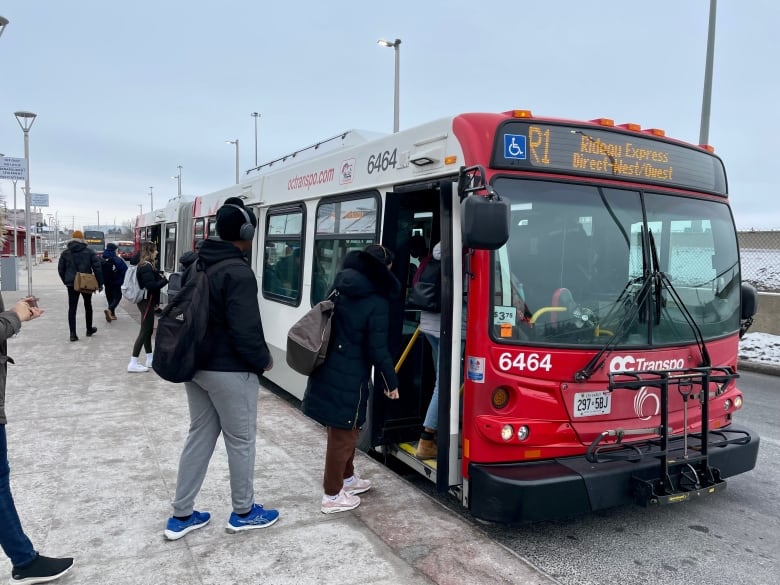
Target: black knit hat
[(380, 253), (230, 219)]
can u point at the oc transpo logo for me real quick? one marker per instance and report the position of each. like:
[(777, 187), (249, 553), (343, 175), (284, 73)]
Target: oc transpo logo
[(646, 403)]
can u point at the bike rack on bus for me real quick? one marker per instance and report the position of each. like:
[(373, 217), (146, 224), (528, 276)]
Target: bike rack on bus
[(683, 463)]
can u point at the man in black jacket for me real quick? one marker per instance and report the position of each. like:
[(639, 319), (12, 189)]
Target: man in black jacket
[(78, 258), (223, 393)]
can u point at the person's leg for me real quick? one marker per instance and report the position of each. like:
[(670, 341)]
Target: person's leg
[(147, 329), (234, 395), (112, 298), (431, 422), (14, 541), (426, 446), (339, 455), (198, 448), (73, 303), (139, 341), (88, 311)]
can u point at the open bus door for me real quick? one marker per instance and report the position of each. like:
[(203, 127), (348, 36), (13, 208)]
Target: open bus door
[(478, 222), (425, 210)]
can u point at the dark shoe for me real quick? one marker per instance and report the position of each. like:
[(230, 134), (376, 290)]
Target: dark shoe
[(74, 337), (108, 315), (91, 331), (41, 570), (113, 316)]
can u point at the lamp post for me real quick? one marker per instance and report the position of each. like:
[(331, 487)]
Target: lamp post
[(26, 120), (704, 130), (178, 178), (3, 24), (16, 252), (255, 115), (140, 209), (236, 143), (151, 197), (397, 46)]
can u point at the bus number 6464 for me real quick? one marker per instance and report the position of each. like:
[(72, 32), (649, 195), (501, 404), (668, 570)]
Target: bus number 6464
[(522, 362)]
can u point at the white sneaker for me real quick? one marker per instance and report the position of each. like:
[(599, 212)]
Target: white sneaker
[(342, 503), (358, 485), (136, 367)]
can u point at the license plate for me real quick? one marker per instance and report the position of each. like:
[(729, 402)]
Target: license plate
[(592, 403)]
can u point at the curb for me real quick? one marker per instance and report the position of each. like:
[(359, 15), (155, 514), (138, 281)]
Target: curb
[(759, 367)]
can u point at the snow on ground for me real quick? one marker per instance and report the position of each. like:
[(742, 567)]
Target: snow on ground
[(760, 347)]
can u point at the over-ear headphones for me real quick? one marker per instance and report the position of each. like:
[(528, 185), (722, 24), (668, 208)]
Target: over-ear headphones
[(247, 230)]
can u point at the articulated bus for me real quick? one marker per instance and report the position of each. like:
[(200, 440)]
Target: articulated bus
[(171, 231), (592, 302)]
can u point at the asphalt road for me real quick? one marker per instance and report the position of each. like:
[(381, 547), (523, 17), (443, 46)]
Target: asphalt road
[(731, 537)]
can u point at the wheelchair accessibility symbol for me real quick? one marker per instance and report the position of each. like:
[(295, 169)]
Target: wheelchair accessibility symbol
[(514, 146)]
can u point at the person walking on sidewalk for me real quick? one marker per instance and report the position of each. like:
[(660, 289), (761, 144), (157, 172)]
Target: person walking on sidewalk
[(114, 269), (28, 566), (222, 395), (78, 258), (152, 280), (337, 392)]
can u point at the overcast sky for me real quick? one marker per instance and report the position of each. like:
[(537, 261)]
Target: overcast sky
[(125, 92)]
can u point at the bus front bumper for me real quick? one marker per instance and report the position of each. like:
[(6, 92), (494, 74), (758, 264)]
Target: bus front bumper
[(559, 488)]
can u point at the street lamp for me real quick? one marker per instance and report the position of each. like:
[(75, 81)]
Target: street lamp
[(3, 24), (255, 115), (236, 143), (151, 197), (26, 120), (704, 129), (397, 46), (178, 178)]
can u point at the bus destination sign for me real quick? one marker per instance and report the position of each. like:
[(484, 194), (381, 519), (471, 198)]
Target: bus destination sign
[(612, 154)]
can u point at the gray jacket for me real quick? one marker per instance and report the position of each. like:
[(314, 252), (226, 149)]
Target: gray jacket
[(10, 324)]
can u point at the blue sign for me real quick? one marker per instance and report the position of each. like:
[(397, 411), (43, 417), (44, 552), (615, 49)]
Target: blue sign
[(514, 146)]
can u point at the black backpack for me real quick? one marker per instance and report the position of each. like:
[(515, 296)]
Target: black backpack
[(181, 342), (426, 293)]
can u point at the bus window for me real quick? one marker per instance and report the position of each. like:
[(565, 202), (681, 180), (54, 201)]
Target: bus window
[(342, 226), (282, 266), (199, 231), (211, 227), (170, 248)]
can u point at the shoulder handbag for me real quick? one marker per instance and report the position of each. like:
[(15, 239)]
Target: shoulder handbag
[(308, 338), (85, 282)]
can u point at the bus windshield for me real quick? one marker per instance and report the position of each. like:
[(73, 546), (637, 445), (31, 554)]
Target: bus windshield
[(579, 255), (96, 240)]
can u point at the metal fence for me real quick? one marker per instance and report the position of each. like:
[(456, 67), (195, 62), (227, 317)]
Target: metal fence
[(759, 253)]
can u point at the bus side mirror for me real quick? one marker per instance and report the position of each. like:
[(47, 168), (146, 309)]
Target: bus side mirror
[(749, 303), (484, 222)]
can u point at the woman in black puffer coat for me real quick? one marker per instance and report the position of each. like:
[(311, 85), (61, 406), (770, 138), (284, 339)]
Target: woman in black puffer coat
[(337, 392)]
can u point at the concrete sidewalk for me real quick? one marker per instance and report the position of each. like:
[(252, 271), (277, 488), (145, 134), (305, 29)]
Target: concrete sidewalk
[(94, 452)]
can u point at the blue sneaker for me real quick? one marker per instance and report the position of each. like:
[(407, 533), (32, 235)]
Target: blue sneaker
[(258, 518), (175, 529)]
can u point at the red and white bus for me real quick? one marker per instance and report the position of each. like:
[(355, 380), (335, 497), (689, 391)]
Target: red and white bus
[(592, 302)]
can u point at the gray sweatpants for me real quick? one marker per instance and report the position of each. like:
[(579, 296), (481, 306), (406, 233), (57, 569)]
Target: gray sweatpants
[(223, 402)]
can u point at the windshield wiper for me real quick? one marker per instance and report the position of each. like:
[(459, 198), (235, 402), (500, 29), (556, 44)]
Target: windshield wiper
[(659, 282)]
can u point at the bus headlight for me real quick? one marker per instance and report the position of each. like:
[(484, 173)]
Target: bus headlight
[(727, 404), (507, 432), (522, 433), (738, 402)]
